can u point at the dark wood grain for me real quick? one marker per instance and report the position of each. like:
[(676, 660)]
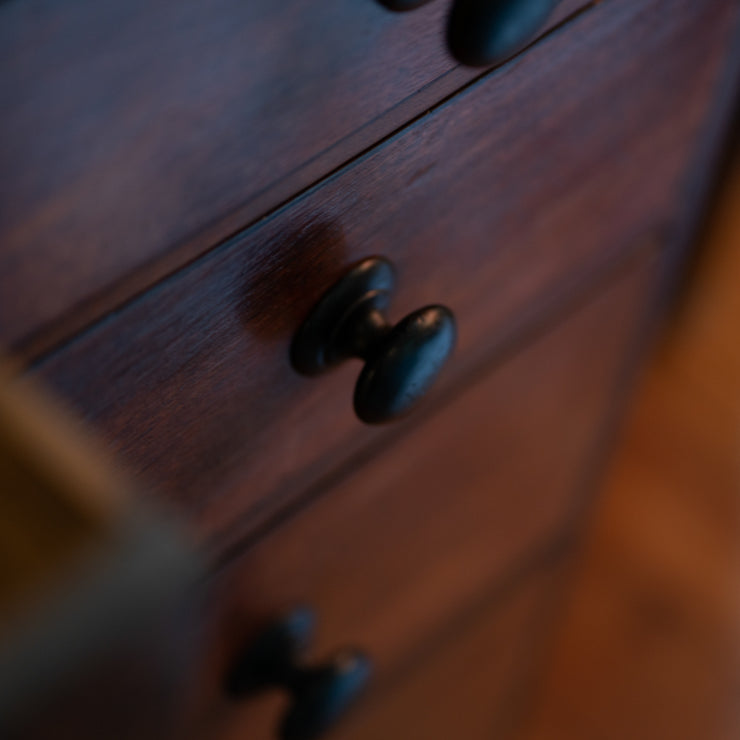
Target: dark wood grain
[(424, 532), (498, 205), (134, 136)]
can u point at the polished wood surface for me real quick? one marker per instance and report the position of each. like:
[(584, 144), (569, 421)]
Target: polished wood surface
[(417, 536), (194, 224), (500, 204), (134, 136), (648, 648)]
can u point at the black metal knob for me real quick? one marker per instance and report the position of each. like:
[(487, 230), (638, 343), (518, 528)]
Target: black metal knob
[(319, 694), (401, 361), (484, 32)]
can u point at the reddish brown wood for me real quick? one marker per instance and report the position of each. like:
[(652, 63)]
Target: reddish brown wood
[(476, 683), (530, 183), (135, 136), (392, 555), (655, 598)]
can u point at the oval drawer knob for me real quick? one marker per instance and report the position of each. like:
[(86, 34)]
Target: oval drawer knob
[(484, 32), (319, 693), (401, 361)]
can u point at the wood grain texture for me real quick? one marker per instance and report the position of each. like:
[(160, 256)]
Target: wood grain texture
[(498, 204), (134, 136), (424, 532)]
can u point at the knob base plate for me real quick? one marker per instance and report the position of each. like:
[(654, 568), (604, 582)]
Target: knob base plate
[(319, 344)]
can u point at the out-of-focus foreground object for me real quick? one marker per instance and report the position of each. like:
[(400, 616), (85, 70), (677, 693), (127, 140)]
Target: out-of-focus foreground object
[(97, 594)]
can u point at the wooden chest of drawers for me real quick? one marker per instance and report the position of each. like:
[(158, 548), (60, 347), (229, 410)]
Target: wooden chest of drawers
[(183, 181)]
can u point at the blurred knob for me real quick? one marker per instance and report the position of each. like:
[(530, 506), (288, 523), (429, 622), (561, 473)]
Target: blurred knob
[(320, 694), (485, 32), (401, 361)]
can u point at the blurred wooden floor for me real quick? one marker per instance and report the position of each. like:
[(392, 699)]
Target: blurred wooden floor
[(650, 645)]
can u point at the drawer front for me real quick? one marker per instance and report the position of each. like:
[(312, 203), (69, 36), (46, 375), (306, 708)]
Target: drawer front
[(474, 684), (391, 555), (499, 204), (478, 682), (134, 135)]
